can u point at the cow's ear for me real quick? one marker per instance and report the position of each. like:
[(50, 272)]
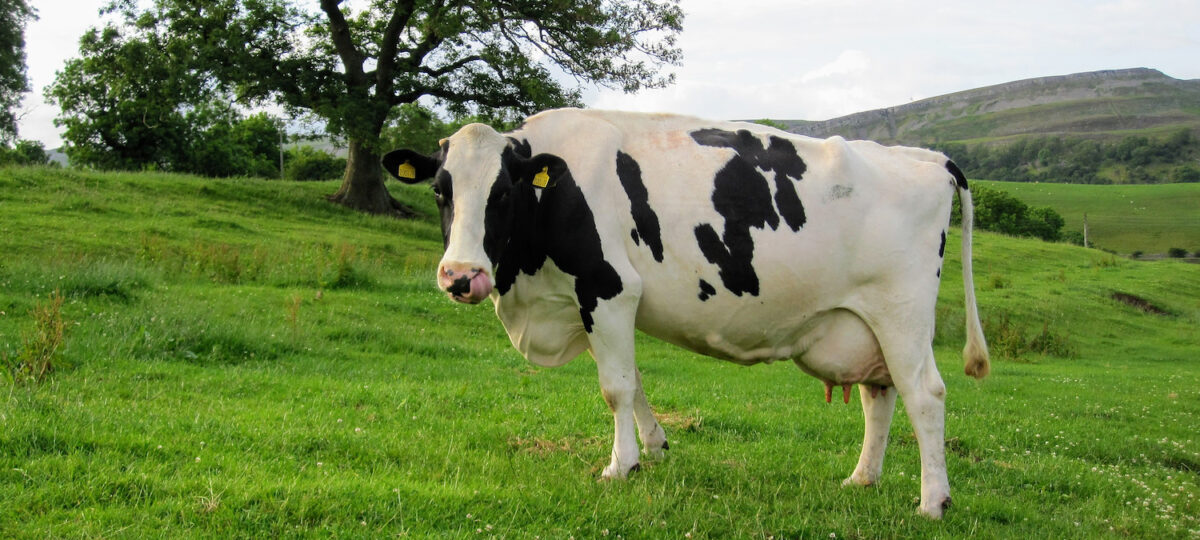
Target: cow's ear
[(409, 166), (541, 171)]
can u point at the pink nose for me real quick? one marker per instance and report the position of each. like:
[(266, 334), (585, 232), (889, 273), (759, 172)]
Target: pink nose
[(464, 282)]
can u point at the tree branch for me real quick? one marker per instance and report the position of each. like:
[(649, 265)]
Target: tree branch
[(384, 70), (343, 42), (448, 68)]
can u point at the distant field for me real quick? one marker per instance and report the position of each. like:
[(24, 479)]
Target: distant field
[(1126, 218), (245, 360)]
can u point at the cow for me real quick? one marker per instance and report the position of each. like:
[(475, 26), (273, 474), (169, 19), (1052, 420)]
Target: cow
[(733, 240)]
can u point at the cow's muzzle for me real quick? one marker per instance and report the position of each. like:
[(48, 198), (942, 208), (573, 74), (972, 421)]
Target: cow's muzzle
[(465, 283)]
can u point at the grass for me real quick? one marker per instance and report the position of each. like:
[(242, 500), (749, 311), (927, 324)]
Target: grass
[(242, 359), (1126, 218)]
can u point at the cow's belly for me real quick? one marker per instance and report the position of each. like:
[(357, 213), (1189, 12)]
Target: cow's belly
[(833, 345)]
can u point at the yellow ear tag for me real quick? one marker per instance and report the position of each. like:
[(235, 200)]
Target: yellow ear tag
[(406, 170), (543, 178)]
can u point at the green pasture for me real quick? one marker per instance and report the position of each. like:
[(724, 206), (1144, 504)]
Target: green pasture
[(243, 360), (1150, 218)]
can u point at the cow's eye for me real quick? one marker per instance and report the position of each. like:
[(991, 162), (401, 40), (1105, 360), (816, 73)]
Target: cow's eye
[(437, 191)]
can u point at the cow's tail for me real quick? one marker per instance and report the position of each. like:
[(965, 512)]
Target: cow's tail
[(975, 353)]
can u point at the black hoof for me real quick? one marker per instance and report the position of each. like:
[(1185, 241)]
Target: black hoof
[(635, 468), (946, 503), (666, 446)]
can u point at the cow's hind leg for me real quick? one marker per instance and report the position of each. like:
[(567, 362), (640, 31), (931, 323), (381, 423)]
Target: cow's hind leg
[(878, 406), (924, 396), (654, 439)]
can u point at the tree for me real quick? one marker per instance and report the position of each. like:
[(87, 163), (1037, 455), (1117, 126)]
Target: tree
[(24, 153), (14, 14), (131, 102), (352, 67)]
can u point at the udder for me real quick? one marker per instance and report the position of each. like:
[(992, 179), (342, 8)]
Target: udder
[(844, 351)]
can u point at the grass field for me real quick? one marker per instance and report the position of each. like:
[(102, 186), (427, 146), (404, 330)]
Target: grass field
[(242, 359), (1126, 218)]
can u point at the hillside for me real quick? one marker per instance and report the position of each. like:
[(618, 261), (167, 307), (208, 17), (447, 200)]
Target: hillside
[(1102, 104), (1146, 218), (242, 359)]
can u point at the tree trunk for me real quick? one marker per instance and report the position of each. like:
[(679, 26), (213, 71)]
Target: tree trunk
[(363, 185)]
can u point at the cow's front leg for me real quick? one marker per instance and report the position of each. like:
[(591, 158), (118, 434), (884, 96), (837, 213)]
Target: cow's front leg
[(612, 347)]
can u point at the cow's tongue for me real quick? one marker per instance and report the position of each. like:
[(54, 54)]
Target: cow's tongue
[(481, 286)]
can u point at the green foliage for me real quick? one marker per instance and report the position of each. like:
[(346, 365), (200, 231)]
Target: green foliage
[(1000, 212), (1134, 159), (771, 123), (131, 102), (14, 15), (308, 163), (40, 351), (24, 153), (1177, 253), (271, 406)]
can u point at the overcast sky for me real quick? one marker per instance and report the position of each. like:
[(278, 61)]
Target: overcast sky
[(815, 59)]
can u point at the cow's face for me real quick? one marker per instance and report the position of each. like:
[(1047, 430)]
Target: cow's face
[(475, 176)]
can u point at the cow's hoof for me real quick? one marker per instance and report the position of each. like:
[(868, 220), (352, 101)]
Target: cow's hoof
[(856, 481), (657, 453), (935, 511), (616, 472)]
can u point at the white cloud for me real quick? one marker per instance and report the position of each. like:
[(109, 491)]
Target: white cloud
[(848, 63)]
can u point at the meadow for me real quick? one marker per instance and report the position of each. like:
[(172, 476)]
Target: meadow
[(1150, 218), (241, 359)]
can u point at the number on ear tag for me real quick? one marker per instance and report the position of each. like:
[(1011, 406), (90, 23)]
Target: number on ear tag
[(543, 178), (406, 170)]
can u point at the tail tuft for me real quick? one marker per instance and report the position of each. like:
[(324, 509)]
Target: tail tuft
[(976, 357)]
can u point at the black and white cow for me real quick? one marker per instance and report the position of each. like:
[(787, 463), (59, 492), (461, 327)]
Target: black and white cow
[(733, 240)]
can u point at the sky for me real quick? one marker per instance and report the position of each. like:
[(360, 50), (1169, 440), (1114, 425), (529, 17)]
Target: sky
[(812, 59)]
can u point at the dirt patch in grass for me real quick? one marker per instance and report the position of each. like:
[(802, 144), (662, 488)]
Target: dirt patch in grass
[(542, 447), (679, 421), (1139, 302)]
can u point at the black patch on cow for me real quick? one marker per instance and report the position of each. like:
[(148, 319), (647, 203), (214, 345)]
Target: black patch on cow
[(560, 227), (520, 147), (460, 286), (959, 178), (497, 216), (644, 217), (742, 196), (637, 240), (706, 290), (443, 192), (941, 253)]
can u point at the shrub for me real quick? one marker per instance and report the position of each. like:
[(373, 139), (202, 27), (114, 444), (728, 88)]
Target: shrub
[(1136, 254), (38, 354), (999, 211), (1007, 339), (24, 153), (1072, 237), (1177, 253), (308, 163)]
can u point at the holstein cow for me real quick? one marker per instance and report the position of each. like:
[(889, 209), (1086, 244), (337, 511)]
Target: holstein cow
[(734, 240)]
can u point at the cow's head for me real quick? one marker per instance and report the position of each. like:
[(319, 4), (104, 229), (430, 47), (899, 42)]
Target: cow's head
[(477, 173)]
